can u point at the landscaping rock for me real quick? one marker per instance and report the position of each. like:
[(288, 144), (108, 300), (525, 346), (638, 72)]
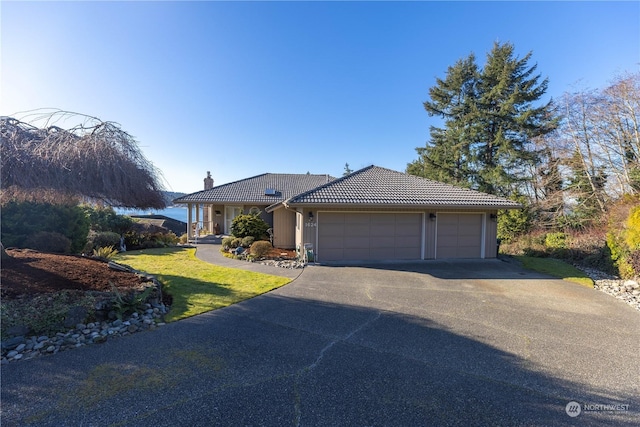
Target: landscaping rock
[(75, 315), (21, 348), (624, 290), (11, 343)]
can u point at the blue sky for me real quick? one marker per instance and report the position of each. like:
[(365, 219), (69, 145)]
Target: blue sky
[(243, 88)]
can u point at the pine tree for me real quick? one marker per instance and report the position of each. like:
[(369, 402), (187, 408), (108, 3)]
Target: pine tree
[(489, 122), (446, 156)]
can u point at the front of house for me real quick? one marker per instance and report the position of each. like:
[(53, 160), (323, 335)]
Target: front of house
[(374, 214)]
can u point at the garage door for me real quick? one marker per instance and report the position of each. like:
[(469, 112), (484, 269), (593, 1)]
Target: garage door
[(459, 236), (369, 236)]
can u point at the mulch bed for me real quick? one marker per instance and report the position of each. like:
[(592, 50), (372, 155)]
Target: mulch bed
[(30, 272)]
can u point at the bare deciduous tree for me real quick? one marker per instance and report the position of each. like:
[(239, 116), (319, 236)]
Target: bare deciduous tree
[(94, 160), (598, 142)]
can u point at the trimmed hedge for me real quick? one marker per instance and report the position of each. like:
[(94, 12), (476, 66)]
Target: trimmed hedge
[(260, 248)]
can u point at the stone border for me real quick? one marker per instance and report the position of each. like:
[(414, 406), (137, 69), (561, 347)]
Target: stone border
[(23, 347)]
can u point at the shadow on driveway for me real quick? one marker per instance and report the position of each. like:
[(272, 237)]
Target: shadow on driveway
[(279, 360), (452, 269)]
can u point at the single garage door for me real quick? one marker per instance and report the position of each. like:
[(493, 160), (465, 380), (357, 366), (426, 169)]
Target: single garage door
[(368, 236), (459, 236)]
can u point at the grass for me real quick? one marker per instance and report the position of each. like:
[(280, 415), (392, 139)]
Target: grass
[(556, 268), (197, 286)]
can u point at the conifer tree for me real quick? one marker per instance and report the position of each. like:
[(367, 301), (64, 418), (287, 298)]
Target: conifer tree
[(446, 157), (490, 119)]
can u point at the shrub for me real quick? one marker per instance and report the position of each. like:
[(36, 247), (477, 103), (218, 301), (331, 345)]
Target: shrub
[(260, 248), (226, 243), (556, 240), (249, 225), (236, 242), (49, 241), (514, 222), (146, 236), (247, 241), (44, 315), (184, 239), (132, 302), (107, 252), (634, 261), (106, 219), (23, 220), (167, 239), (101, 240), (632, 233)]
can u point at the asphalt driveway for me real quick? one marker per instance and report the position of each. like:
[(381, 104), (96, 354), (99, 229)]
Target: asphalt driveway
[(430, 343)]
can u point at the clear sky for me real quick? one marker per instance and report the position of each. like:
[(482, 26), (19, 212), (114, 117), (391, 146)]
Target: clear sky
[(243, 88)]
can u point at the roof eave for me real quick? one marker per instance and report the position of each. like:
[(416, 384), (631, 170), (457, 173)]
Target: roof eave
[(401, 206), (227, 202)]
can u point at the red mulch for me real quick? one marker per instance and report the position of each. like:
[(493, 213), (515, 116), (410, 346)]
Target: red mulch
[(277, 253), (30, 272)]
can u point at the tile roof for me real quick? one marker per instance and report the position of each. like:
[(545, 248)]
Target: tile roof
[(374, 185), (252, 190)]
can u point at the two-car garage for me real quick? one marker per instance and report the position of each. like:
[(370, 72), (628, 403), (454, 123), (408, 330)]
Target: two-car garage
[(374, 236)]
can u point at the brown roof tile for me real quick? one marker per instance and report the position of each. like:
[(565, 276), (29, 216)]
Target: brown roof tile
[(374, 185), (254, 189)]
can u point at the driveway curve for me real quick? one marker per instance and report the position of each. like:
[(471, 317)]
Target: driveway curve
[(428, 343)]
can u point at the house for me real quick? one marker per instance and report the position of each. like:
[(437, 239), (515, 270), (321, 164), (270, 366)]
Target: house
[(371, 214)]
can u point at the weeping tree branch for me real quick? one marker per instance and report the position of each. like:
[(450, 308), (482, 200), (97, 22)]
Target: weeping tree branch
[(95, 160)]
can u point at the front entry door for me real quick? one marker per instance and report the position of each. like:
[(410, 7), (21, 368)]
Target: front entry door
[(230, 212)]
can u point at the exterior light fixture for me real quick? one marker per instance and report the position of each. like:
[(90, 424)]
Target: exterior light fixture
[(493, 217), (310, 216), (432, 216)]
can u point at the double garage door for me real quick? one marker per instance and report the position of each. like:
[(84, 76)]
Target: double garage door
[(344, 236), (369, 236)]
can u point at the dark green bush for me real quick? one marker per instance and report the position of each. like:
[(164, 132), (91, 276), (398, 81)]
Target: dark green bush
[(102, 239), (248, 241), (149, 239), (515, 222), (249, 225), (260, 248), (48, 241), (106, 219), (143, 235), (21, 220)]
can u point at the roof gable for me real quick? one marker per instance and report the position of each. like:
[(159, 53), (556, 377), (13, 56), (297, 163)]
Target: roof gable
[(267, 188), (374, 185)]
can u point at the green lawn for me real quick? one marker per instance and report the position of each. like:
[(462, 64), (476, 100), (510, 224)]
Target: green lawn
[(556, 268), (197, 286)]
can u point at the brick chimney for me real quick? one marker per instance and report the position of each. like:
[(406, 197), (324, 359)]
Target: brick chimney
[(208, 181)]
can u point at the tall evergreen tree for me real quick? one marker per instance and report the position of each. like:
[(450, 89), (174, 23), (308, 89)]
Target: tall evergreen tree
[(489, 122), (446, 156)]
